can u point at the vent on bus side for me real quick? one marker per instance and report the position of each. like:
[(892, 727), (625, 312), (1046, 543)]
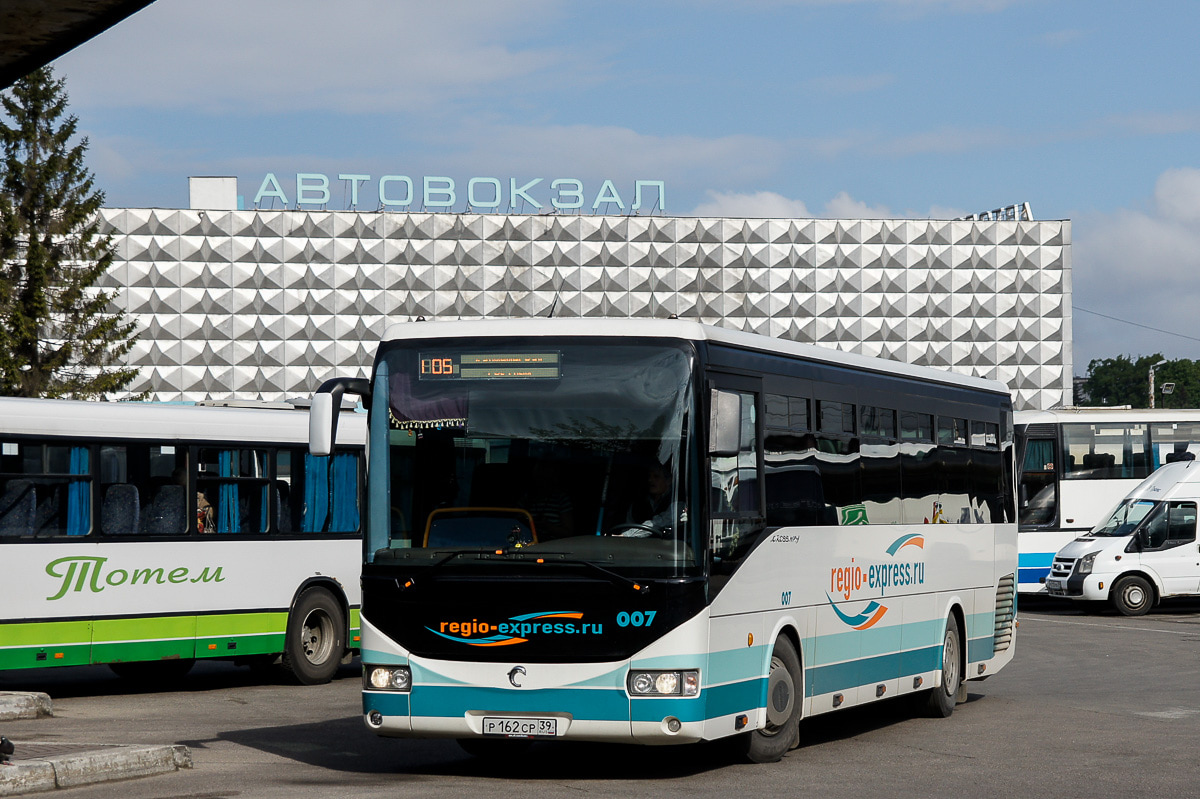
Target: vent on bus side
[(1006, 611)]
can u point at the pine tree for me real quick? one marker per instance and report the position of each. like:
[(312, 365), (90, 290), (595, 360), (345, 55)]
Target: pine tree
[(59, 336)]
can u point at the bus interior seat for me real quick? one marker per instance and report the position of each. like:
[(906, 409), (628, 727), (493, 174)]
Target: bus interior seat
[(18, 507), (1099, 461), (120, 510), (166, 514), (1180, 453), (476, 527)]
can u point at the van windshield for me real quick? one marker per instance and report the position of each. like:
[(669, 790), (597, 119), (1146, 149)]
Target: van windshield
[(1125, 519)]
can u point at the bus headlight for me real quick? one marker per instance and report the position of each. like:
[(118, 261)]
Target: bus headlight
[(664, 683), (1084, 564), (387, 678)]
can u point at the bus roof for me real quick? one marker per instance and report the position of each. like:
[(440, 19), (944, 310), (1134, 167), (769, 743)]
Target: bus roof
[(679, 329), (1085, 415), (165, 421)]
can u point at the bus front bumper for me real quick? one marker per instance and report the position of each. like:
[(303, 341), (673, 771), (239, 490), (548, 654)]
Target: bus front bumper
[(553, 714)]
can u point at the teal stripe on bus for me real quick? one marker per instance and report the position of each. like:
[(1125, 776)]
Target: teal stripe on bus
[(386, 702), (453, 701), (870, 671)]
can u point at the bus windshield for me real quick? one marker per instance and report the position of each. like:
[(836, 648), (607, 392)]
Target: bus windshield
[(1125, 519), (562, 451)]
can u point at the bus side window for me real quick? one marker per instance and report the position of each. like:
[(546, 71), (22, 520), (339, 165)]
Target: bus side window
[(733, 485)]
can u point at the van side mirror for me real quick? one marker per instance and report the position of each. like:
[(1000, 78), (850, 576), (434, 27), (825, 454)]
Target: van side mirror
[(724, 423)]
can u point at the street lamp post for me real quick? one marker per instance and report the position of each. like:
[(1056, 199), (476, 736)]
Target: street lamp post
[(1152, 368)]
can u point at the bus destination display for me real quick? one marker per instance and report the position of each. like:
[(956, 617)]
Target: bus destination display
[(490, 365)]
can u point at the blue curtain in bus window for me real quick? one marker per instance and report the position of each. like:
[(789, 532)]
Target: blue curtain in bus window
[(316, 492), (1038, 454), (79, 505), (345, 493), (263, 517), (227, 512)]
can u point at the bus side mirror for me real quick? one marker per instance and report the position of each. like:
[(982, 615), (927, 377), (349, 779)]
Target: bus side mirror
[(326, 405), (321, 421), (724, 424)]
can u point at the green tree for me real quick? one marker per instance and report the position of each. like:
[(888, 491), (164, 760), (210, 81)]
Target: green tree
[(59, 335), (1125, 380)]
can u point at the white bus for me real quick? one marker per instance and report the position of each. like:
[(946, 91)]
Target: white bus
[(1076, 464), (150, 535), (656, 531)]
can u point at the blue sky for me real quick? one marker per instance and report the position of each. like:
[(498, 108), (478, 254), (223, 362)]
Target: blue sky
[(1089, 111)]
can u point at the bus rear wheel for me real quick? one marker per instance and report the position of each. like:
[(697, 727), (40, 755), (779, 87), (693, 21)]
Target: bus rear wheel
[(782, 730), (1132, 596), (316, 637), (940, 701)]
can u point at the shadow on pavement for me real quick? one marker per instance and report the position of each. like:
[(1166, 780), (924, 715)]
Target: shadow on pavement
[(346, 745)]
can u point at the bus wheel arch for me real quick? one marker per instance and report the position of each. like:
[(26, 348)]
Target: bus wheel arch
[(1133, 594), (785, 702), (317, 631), (940, 700)]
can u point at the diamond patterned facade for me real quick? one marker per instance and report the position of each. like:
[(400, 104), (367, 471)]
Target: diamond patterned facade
[(268, 304)]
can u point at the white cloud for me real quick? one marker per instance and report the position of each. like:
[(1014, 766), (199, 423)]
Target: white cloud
[(770, 205), (758, 205), (843, 206), (1177, 194), (307, 55), (1142, 267)]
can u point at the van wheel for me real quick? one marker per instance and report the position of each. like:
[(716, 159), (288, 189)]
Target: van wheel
[(316, 637), (1132, 596), (782, 731), (940, 701)]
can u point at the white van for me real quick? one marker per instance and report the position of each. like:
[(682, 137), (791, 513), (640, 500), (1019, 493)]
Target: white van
[(1144, 552)]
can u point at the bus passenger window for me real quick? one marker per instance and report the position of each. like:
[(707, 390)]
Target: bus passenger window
[(46, 490)]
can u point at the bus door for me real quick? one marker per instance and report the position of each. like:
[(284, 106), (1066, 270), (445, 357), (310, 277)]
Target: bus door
[(1037, 492), (735, 492)]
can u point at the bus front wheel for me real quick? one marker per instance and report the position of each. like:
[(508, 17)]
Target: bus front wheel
[(782, 730), (1132, 596), (316, 637), (942, 699)]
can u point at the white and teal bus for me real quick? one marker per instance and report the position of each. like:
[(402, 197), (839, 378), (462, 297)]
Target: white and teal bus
[(656, 531), (1076, 464), (151, 535)]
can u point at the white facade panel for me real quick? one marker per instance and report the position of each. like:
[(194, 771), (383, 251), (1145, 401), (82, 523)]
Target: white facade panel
[(216, 292)]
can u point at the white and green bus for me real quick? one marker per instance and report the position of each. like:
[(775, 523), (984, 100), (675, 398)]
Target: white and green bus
[(661, 532), (150, 535)]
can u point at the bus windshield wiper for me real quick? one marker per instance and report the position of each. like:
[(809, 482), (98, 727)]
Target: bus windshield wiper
[(612, 576)]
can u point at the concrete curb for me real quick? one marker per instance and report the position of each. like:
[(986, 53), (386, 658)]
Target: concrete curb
[(102, 764), (24, 705)]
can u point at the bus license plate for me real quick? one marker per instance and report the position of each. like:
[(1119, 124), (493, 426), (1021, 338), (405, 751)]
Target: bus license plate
[(520, 727)]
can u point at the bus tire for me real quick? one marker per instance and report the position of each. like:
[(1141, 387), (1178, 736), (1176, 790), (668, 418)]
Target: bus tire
[(940, 700), (316, 637), (782, 730), (1132, 596)]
